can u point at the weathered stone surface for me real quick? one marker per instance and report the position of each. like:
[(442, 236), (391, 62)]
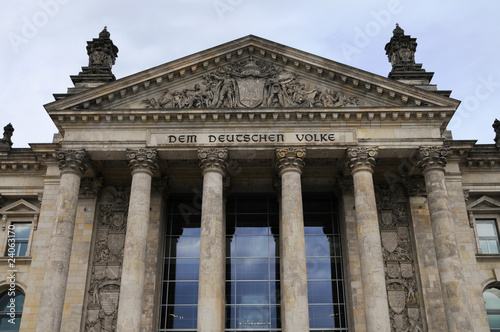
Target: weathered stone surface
[(143, 164), (432, 161), (72, 165), (294, 301), (211, 291), (361, 162)]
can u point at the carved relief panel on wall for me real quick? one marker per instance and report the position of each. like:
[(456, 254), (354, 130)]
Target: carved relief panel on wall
[(107, 257), (401, 281), (248, 84)]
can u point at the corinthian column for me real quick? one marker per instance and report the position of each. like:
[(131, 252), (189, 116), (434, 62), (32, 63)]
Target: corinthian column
[(211, 289), (72, 163), (361, 162), (294, 301), (143, 164), (432, 161)]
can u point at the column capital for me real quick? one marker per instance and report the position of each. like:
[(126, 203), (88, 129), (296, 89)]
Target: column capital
[(73, 161), (290, 159), (144, 160), (432, 157), (361, 158), (89, 187), (214, 160), (415, 184)]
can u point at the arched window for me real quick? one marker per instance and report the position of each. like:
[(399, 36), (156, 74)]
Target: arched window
[(492, 303), (11, 309)]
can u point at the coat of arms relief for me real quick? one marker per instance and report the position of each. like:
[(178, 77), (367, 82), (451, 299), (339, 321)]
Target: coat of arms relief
[(104, 290), (249, 84), (401, 279)]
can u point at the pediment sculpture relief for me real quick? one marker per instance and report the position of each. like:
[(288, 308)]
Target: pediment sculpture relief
[(250, 84)]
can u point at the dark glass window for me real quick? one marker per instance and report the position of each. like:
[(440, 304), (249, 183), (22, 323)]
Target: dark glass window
[(252, 267), (10, 319), (179, 299), (325, 281)]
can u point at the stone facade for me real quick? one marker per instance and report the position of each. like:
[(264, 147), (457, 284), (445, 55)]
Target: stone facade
[(241, 118)]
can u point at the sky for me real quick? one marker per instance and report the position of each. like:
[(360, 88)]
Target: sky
[(43, 43)]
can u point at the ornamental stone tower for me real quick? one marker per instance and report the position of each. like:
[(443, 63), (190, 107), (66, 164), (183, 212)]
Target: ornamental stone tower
[(102, 55)]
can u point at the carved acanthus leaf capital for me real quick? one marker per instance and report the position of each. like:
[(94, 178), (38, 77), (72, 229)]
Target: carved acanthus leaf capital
[(290, 159), (361, 158), (89, 187), (145, 160), (415, 184), (432, 157), (213, 160), (74, 161)]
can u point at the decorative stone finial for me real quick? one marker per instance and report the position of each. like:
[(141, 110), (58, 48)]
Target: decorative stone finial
[(432, 157), (361, 158), (290, 159), (401, 50), (6, 142), (496, 127), (101, 51)]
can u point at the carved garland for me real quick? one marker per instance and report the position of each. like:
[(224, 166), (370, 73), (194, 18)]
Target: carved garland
[(249, 84)]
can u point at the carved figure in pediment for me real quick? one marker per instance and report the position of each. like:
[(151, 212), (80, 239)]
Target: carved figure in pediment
[(250, 83)]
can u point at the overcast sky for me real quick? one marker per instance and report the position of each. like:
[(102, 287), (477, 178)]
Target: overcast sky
[(43, 43)]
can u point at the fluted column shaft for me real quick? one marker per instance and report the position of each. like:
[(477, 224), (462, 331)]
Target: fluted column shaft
[(143, 163), (294, 301), (361, 161), (211, 289), (432, 161), (72, 163)]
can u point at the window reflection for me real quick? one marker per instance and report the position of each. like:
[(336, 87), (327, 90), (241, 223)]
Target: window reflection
[(252, 269)]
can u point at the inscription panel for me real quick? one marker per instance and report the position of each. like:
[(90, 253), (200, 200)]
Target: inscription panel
[(183, 138)]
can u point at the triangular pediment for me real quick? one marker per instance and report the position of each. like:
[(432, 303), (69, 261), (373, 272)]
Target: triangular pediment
[(20, 207), (251, 72), (484, 203)]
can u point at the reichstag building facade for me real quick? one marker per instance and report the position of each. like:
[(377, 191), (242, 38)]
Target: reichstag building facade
[(251, 187)]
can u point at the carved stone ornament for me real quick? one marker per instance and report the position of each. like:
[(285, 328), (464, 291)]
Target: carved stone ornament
[(290, 159), (89, 187), (213, 160), (6, 142), (101, 51), (401, 50), (143, 160), (402, 288), (361, 158), (496, 128), (248, 84), (432, 157), (76, 161), (107, 260)]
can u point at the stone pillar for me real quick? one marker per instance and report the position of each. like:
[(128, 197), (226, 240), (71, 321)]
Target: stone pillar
[(432, 298), (294, 301), (361, 162), (212, 279), (72, 164), (143, 163), (432, 161)]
